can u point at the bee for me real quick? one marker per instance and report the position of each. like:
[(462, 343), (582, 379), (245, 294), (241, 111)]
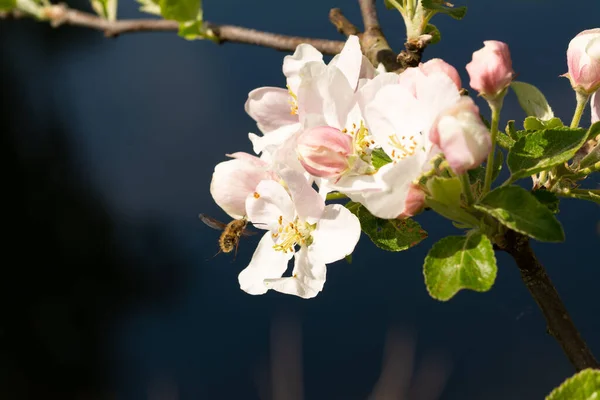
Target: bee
[(232, 232)]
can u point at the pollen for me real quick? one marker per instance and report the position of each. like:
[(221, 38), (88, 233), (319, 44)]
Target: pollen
[(402, 147), (293, 101), (256, 195), (291, 234)]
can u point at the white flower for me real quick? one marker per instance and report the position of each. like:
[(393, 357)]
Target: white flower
[(400, 121), (234, 180), (298, 225)]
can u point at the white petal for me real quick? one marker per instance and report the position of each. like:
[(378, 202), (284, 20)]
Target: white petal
[(293, 64), (350, 60), (307, 280), (336, 235), (266, 263), (267, 204), (435, 92), (274, 138), (368, 91), (309, 205), (595, 104), (325, 92), (270, 107), (393, 111), (390, 203), (231, 183)]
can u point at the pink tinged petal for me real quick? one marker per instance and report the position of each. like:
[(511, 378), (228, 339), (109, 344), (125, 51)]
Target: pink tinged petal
[(323, 151), (408, 79), (583, 60), (336, 235), (436, 92), (595, 102), (491, 70), (350, 60), (438, 65), (292, 65), (233, 181), (271, 108), (308, 203), (267, 204), (307, 280), (462, 136), (266, 263), (240, 155), (414, 203)]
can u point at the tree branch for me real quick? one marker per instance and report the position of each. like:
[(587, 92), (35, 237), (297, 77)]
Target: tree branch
[(560, 324), (372, 42), (60, 14)]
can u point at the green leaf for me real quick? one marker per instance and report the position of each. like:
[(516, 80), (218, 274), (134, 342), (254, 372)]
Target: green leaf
[(510, 129), (191, 30), (459, 262), (532, 101), (432, 30), (348, 258), (584, 385), (444, 7), (547, 198), (586, 194), (380, 158), (388, 234), (504, 141), (149, 6), (7, 5), (180, 10), (107, 9), (445, 190), (521, 211), (542, 150), (533, 124), (453, 213)]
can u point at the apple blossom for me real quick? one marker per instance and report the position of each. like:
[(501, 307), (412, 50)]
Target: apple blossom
[(299, 225), (583, 60), (233, 180), (409, 77), (491, 69), (462, 136), (400, 121)]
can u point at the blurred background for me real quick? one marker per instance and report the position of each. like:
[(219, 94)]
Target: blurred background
[(109, 285)]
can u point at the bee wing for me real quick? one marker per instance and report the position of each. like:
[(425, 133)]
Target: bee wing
[(247, 232), (213, 223)]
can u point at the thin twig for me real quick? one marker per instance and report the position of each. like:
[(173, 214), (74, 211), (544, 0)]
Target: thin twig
[(560, 324), (369, 14), (342, 24), (60, 14), (372, 42)]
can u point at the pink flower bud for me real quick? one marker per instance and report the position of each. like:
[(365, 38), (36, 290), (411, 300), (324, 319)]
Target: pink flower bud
[(414, 203), (491, 69), (408, 78), (595, 107), (583, 59), (438, 65), (461, 135), (323, 151)]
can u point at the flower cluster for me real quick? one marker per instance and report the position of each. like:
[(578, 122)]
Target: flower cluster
[(324, 133)]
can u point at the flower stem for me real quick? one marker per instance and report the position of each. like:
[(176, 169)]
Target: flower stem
[(466, 188), (495, 106), (582, 100), (336, 196)]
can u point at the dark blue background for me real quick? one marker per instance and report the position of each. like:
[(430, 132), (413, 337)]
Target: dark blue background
[(109, 285)]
